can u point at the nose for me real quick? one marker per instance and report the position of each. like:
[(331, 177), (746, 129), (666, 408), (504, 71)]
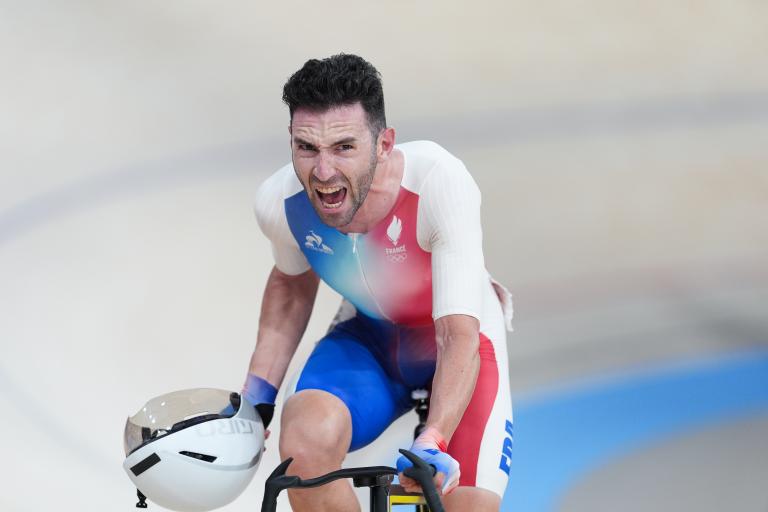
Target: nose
[(324, 169)]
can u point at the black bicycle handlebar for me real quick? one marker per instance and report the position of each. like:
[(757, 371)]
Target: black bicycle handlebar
[(423, 473), (375, 477)]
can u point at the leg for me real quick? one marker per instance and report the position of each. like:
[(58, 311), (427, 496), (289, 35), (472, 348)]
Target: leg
[(316, 430), (342, 401), (472, 498)]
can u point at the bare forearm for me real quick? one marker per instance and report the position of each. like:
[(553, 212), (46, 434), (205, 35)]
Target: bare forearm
[(285, 312), (458, 365)]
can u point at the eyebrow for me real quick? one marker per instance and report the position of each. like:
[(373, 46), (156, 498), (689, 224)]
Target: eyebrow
[(345, 140)]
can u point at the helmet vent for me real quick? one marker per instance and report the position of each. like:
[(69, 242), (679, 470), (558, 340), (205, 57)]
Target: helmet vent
[(199, 456), (145, 464)]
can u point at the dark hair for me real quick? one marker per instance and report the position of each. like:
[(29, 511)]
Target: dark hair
[(342, 79)]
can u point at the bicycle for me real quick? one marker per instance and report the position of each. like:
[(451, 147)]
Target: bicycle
[(377, 478)]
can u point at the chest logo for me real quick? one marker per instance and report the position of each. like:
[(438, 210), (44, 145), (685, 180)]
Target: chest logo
[(314, 242), (395, 229)]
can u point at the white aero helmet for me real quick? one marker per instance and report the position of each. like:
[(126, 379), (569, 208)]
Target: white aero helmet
[(193, 450)]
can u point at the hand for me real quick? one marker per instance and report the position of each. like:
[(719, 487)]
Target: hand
[(431, 447), (230, 411)]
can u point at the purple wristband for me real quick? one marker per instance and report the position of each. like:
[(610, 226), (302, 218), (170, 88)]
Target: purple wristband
[(259, 391)]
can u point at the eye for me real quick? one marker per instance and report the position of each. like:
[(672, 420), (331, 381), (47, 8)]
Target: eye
[(305, 147), (346, 147)]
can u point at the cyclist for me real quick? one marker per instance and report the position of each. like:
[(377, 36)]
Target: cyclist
[(395, 229)]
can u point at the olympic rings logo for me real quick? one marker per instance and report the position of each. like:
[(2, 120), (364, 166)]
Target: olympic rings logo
[(397, 258)]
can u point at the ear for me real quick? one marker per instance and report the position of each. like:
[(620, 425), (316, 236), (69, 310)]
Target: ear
[(385, 143)]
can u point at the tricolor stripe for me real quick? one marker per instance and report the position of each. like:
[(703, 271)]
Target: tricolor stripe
[(465, 443)]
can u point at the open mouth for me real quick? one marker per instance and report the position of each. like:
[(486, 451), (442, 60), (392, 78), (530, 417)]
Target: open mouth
[(331, 197)]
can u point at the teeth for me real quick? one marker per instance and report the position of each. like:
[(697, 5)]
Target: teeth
[(334, 205), (328, 190)]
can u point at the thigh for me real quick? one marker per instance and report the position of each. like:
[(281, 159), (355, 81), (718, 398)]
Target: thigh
[(483, 439), (471, 498), (342, 364)]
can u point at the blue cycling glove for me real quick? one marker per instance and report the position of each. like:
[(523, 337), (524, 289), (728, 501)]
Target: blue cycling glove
[(431, 447)]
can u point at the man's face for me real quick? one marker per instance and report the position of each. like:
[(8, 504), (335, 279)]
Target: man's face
[(334, 155)]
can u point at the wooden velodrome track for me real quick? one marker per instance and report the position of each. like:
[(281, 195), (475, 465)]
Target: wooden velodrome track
[(621, 152)]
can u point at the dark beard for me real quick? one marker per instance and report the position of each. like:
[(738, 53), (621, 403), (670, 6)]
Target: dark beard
[(359, 194)]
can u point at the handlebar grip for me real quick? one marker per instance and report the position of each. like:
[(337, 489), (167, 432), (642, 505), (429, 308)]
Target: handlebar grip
[(424, 473)]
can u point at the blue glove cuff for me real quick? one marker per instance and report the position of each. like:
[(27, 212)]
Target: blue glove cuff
[(259, 391)]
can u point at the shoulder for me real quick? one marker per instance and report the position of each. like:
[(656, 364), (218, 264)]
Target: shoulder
[(271, 195), (423, 155), (430, 166), (279, 186)]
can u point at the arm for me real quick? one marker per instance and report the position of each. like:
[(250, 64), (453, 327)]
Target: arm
[(449, 225), (452, 227), (285, 312), (288, 299), (458, 365)]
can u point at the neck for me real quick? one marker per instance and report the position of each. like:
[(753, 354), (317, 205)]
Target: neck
[(381, 196)]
